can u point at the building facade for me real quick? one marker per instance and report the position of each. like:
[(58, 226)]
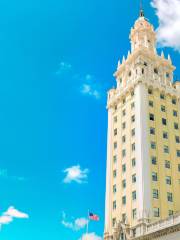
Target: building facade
[(143, 149)]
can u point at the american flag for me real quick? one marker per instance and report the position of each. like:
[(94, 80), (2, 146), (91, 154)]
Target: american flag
[(93, 217)]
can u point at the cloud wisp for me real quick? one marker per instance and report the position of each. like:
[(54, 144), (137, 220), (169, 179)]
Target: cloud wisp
[(74, 225), (168, 13), (76, 174), (90, 87), (90, 236), (11, 213), (64, 67), (5, 175)]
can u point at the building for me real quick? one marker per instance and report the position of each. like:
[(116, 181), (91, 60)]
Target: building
[(143, 150)]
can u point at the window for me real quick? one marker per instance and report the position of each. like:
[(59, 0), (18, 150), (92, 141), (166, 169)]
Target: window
[(153, 145), (167, 164), (124, 200), (164, 122), (179, 167), (163, 109), (174, 101), (120, 80), (156, 212), (134, 195), (133, 118), (151, 104), (177, 139), (154, 177), (176, 126), (169, 197), (115, 159), (114, 205), (124, 168), (153, 160), (114, 189), (151, 117), (167, 75), (145, 64), (133, 147), (155, 194), (124, 112), (124, 125), (133, 178), (114, 222), (124, 139), (114, 173), (166, 149), (150, 91), (152, 131), (124, 101), (115, 145), (123, 152), (133, 132), (168, 180), (171, 212), (133, 162), (165, 135), (178, 153), (134, 232), (124, 183), (123, 217), (132, 93), (130, 74), (115, 107), (132, 105), (162, 96), (174, 113), (134, 213), (155, 70), (115, 119), (142, 70), (115, 132)]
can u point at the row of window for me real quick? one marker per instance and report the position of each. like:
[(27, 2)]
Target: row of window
[(164, 121), (156, 213), (163, 109), (163, 97), (124, 101), (156, 195), (164, 135), (165, 149)]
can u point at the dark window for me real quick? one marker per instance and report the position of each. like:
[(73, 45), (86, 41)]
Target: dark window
[(156, 70), (154, 177), (174, 113), (177, 139), (134, 195), (115, 132), (133, 162), (155, 194), (176, 126), (163, 109), (150, 91), (164, 121), (165, 135), (162, 96), (169, 197), (151, 103), (151, 117), (167, 164), (133, 178), (152, 131), (133, 132), (153, 160), (124, 200), (174, 101), (178, 153)]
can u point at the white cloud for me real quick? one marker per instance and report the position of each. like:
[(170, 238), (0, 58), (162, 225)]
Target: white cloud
[(76, 174), (64, 67), (90, 236), (168, 32), (90, 88), (8, 216), (5, 219), (12, 212), (74, 225)]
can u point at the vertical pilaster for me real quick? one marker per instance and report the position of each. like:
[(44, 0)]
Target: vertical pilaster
[(142, 152)]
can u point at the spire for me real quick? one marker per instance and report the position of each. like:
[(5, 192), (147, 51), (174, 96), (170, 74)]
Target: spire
[(141, 9)]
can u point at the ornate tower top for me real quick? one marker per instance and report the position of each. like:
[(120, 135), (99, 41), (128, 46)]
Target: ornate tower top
[(142, 34)]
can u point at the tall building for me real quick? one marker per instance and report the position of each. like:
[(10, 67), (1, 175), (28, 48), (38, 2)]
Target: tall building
[(143, 150)]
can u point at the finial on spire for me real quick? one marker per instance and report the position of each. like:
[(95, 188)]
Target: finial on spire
[(141, 9)]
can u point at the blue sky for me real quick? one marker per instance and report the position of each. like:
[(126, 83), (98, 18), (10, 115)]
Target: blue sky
[(56, 63)]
